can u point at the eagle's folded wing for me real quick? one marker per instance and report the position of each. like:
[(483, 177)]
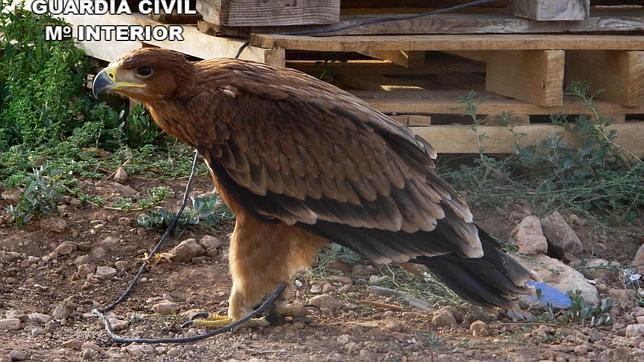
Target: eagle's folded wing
[(295, 152)]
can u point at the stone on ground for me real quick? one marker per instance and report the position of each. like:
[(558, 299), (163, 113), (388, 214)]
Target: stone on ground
[(635, 330), (326, 302), (186, 250), (638, 261), (561, 276), (561, 237), (65, 248), (478, 328), (529, 237), (165, 307), (105, 272), (39, 318), (10, 324), (120, 175), (211, 244), (54, 224), (596, 268), (443, 318)]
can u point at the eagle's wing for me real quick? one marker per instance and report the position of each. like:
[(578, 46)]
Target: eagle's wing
[(289, 147)]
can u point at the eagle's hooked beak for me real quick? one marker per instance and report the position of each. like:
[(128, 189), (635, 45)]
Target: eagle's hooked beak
[(107, 80), (104, 81)]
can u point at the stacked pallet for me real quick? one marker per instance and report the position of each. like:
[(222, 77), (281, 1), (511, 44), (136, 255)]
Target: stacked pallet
[(518, 55)]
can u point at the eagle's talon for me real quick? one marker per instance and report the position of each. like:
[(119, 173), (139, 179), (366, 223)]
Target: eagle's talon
[(293, 310), (202, 315), (213, 321)]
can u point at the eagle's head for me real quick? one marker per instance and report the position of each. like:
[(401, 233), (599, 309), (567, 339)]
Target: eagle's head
[(146, 75)]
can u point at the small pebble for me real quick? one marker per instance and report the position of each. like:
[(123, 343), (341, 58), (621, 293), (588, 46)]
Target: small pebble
[(17, 355), (105, 272), (478, 328), (343, 339), (10, 324), (165, 307), (39, 318)]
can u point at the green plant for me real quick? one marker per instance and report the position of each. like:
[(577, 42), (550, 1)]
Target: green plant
[(155, 196), (206, 212), (42, 95), (584, 313), (586, 172), (140, 129), (329, 255), (430, 340), (40, 196), (428, 287), (47, 115)]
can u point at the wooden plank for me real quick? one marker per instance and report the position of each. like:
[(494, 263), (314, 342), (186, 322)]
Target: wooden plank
[(413, 119), (619, 75), (107, 50), (400, 57), (477, 24), (196, 43), (175, 18), (546, 10), (433, 65), (462, 139), (451, 102), (468, 23), (272, 13), (410, 3), (515, 119), (534, 76), (449, 42)]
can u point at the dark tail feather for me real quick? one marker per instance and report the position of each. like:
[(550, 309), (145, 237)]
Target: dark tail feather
[(488, 281)]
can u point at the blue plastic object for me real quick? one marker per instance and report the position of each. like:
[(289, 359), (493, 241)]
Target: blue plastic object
[(549, 295)]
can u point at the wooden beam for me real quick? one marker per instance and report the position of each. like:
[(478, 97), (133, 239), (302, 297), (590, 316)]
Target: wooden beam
[(467, 23), (433, 65), (462, 139), (534, 76), (409, 3), (402, 58), (270, 13), (449, 42), (196, 43), (618, 75), (451, 102), (413, 119), (107, 50), (175, 18), (551, 9)]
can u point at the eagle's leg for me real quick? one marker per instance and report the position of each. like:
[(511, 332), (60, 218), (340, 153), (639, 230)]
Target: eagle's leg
[(263, 255)]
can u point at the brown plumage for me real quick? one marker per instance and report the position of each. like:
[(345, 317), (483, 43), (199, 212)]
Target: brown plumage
[(301, 163)]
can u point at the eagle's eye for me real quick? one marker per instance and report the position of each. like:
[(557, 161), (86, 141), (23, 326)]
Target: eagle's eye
[(144, 71)]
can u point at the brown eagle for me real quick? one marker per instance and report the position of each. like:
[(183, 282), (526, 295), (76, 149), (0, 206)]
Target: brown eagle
[(301, 164)]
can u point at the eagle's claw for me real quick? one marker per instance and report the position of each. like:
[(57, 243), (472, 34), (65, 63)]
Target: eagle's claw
[(206, 320)]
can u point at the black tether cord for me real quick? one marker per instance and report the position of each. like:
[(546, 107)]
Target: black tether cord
[(166, 234), (268, 303)]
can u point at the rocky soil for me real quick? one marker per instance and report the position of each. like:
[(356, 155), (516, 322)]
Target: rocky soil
[(56, 270)]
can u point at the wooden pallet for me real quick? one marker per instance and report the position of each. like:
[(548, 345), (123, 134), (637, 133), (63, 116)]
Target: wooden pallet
[(420, 79), (532, 68)]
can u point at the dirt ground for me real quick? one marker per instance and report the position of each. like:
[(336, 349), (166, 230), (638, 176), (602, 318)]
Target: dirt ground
[(358, 325)]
